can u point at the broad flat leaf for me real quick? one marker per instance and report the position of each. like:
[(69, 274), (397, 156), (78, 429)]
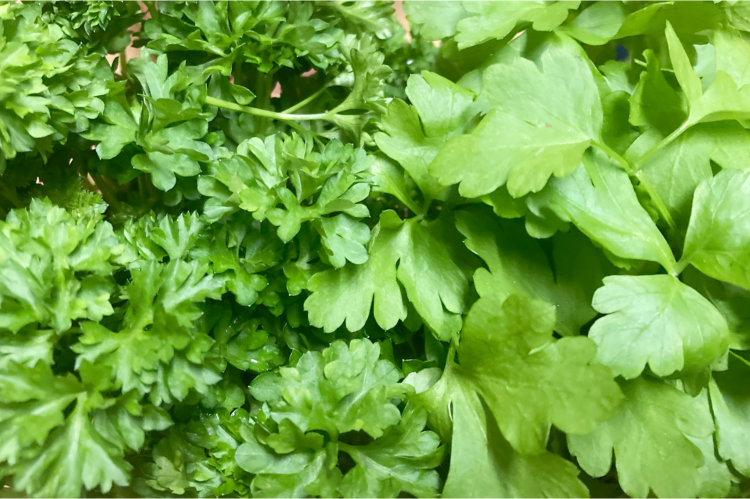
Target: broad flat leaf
[(732, 301), (715, 479), (659, 321), (542, 120), (651, 436), (406, 253), (483, 464), (718, 236), (494, 20), (571, 392), (728, 95), (599, 199), (517, 265), (689, 159), (413, 136), (683, 69), (596, 24), (434, 20), (731, 409), (654, 102)]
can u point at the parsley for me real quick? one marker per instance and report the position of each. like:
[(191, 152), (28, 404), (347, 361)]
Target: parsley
[(282, 249)]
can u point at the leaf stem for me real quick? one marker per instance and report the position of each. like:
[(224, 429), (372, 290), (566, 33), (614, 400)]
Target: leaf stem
[(660, 145), (264, 113), (305, 101), (644, 181)]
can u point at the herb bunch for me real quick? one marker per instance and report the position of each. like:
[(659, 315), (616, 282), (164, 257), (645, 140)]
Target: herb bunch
[(289, 251)]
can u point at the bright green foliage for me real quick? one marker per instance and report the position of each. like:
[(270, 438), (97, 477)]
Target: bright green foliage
[(52, 286), (316, 410), (536, 128), (300, 249), (653, 438), (418, 256), (603, 205), (572, 393), (717, 238), (51, 85), (730, 406), (656, 320)]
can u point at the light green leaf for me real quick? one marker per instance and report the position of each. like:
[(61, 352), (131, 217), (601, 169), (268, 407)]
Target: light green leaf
[(542, 120), (659, 321), (651, 438), (689, 159), (517, 265), (683, 69), (413, 136), (731, 408), (407, 253), (483, 463), (596, 24), (495, 20), (718, 236), (571, 391), (599, 199)]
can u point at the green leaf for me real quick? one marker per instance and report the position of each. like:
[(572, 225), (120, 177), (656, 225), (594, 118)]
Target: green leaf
[(483, 464), (651, 436), (346, 388), (654, 102), (659, 321), (596, 24), (409, 254), (599, 199), (71, 438), (494, 20), (56, 267), (718, 235), (571, 392), (689, 159), (517, 265), (413, 136), (164, 167), (536, 128), (499, 421), (381, 472), (683, 69), (731, 408), (340, 391), (434, 20), (728, 95)]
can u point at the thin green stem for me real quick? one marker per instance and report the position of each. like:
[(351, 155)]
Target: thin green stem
[(124, 64), (304, 101), (660, 145), (739, 357), (264, 113), (644, 181)]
